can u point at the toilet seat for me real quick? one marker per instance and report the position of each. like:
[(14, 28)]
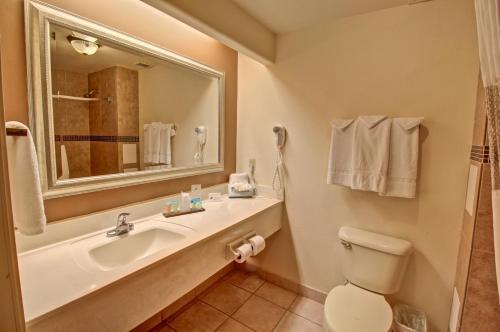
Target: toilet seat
[(353, 309)]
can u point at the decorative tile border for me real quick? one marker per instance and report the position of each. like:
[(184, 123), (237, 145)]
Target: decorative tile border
[(96, 138), (480, 153)]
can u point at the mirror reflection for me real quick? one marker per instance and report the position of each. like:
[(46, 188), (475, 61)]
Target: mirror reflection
[(118, 110)]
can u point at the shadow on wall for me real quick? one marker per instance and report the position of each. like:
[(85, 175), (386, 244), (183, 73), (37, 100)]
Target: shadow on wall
[(419, 271), (279, 245)]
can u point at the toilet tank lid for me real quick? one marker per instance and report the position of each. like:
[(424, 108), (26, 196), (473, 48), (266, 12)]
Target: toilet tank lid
[(380, 242)]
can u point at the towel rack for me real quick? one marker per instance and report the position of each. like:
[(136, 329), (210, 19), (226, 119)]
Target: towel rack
[(16, 132)]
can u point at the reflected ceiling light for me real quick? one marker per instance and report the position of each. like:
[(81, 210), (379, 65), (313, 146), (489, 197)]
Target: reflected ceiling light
[(83, 44)]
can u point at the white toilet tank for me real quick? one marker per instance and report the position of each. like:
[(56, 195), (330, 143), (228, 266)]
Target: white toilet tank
[(374, 261)]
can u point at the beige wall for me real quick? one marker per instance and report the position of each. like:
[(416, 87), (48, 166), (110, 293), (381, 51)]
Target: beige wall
[(170, 94), (225, 21), (136, 18), (406, 61)]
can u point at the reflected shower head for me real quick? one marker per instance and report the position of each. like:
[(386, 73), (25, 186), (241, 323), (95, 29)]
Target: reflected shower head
[(91, 93)]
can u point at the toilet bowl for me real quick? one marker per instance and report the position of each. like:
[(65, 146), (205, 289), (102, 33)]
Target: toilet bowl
[(352, 309), (374, 265)]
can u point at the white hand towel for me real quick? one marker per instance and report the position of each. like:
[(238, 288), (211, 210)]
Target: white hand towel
[(64, 164), (165, 151), (155, 142), (147, 143), (339, 163), (26, 192), (152, 143), (403, 158), (370, 153)]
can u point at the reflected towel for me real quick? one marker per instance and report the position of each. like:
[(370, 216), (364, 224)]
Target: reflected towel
[(157, 143), (152, 143), (26, 192), (165, 153)]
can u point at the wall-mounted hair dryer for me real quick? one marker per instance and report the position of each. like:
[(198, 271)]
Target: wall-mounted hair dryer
[(280, 139), (201, 134), (201, 140), (280, 133)]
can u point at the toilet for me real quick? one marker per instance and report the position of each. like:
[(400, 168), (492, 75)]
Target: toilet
[(374, 265)]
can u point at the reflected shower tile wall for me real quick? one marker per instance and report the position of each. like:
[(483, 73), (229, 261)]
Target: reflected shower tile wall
[(128, 101), (72, 118), (115, 114), (103, 114), (104, 158)]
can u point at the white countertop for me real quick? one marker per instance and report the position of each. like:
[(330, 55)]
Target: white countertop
[(51, 277)]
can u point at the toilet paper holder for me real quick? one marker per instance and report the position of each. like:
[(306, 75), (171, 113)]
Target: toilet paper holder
[(231, 252)]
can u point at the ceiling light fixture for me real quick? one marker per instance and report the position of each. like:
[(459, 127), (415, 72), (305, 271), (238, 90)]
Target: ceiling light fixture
[(84, 46)]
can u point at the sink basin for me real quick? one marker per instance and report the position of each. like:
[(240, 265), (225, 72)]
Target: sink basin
[(133, 246)]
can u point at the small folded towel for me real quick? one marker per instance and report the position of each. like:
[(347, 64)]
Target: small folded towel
[(370, 153), (26, 192), (339, 162), (403, 158)]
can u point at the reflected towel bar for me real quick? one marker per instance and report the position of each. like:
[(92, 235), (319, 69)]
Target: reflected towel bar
[(16, 132)]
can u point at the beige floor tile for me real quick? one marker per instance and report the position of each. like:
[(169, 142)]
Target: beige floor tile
[(225, 297), (259, 314), (200, 317), (276, 295), (293, 323), (249, 281), (308, 308), (231, 325)]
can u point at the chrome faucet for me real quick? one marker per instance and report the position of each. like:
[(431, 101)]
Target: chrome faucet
[(122, 226)]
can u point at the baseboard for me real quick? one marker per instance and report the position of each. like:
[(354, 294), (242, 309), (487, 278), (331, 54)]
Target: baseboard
[(293, 286)]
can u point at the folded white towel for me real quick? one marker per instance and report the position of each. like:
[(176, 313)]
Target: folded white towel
[(403, 158), (148, 143), (157, 143), (165, 151), (26, 192), (340, 160), (241, 186), (370, 153)]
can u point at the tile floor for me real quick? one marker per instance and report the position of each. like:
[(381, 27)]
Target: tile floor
[(243, 302)]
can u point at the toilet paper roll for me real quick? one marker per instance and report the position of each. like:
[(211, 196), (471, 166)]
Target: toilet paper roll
[(244, 252), (258, 244)]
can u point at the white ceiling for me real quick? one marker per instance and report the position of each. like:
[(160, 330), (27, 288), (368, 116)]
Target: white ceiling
[(282, 16)]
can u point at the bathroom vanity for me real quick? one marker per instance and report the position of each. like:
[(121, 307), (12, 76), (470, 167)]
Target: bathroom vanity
[(91, 282)]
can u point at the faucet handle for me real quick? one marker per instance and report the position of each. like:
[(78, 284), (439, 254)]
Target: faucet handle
[(122, 218)]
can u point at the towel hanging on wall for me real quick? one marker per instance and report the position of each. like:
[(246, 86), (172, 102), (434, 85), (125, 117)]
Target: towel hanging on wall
[(26, 192), (370, 152), (158, 143), (375, 153), (403, 158)]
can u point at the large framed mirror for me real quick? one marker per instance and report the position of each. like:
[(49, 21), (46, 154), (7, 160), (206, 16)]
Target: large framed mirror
[(110, 110)]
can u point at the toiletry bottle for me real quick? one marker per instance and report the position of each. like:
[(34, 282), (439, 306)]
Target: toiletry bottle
[(185, 204)]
